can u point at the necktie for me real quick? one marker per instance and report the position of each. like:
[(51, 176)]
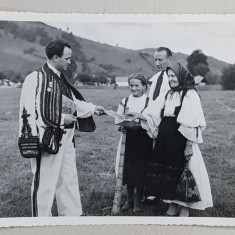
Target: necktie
[(158, 86)]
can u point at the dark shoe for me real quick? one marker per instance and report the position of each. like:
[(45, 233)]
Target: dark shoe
[(127, 206)]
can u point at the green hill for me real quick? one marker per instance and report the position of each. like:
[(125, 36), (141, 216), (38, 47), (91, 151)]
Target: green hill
[(23, 44)]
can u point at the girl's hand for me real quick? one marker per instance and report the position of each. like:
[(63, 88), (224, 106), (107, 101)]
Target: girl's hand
[(188, 152), (133, 116)]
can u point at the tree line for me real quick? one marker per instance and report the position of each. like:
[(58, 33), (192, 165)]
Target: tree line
[(197, 62), (197, 65)]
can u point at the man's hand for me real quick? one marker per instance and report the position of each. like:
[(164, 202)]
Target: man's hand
[(99, 110), (188, 152), (69, 119)]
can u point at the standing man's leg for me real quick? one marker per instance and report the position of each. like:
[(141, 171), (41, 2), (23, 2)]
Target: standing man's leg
[(67, 190), (46, 170)]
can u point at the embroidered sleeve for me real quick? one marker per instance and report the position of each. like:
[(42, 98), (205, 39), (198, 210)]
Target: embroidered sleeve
[(84, 108), (28, 130), (120, 110), (191, 117), (153, 116), (121, 104), (191, 133), (191, 113), (151, 130)]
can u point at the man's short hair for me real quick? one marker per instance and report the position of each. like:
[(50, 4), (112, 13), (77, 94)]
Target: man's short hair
[(167, 50), (56, 47)]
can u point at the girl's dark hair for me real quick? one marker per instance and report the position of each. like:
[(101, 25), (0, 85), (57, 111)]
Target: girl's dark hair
[(56, 47)]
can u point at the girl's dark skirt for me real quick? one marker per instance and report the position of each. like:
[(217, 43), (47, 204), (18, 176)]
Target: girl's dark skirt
[(167, 161), (138, 151)]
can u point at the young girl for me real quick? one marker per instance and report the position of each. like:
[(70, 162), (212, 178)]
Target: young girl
[(138, 147)]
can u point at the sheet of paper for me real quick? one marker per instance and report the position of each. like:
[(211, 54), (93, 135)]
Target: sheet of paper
[(121, 120), (68, 106), (115, 115)]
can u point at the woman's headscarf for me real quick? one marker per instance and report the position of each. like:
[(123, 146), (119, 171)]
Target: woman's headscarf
[(185, 79)]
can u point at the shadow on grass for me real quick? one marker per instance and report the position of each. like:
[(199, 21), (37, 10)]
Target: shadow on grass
[(101, 203)]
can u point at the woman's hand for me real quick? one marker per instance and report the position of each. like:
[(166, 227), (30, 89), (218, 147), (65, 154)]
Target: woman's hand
[(133, 116), (188, 152), (122, 129)]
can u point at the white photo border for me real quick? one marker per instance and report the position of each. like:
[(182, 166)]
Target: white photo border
[(115, 220)]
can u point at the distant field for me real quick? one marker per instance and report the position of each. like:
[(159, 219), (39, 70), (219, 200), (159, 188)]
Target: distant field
[(96, 154)]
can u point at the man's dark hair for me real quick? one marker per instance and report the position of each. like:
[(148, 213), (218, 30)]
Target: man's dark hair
[(56, 47), (167, 50)]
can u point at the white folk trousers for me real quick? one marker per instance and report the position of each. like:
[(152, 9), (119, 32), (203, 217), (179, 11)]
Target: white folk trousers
[(56, 175)]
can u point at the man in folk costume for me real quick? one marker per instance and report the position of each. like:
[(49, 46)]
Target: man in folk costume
[(160, 84), (46, 134)]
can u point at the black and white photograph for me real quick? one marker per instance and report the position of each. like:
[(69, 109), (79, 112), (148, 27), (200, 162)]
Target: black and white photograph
[(113, 116)]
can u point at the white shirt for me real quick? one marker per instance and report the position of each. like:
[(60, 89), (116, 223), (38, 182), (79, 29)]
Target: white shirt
[(164, 87), (57, 72), (135, 104)]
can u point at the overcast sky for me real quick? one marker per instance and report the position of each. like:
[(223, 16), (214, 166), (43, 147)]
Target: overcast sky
[(214, 39)]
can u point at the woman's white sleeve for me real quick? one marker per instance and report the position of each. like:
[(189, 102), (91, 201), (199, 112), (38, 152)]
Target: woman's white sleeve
[(191, 117), (153, 116)]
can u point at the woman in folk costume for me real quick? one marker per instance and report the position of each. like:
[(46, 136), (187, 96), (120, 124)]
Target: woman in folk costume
[(177, 173), (138, 147), (46, 132)]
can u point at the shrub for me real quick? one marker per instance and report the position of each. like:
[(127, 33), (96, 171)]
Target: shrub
[(85, 78), (44, 41), (29, 35), (41, 32), (30, 50), (228, 78), (197, 63), (212, 78), (100, 79)]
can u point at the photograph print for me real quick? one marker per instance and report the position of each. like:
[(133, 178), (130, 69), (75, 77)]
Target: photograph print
[(117, 118)]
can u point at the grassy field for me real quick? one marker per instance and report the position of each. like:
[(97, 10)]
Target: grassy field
[(96, 154)]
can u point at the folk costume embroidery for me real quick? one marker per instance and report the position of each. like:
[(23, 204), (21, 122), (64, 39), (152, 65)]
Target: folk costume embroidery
[(188, 124), (45, 112), (28, 143), (54, 169), (51, 98), (138, 144)]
